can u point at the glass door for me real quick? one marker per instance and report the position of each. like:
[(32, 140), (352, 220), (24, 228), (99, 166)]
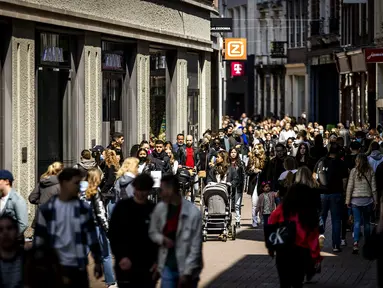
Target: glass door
[(112, 102)]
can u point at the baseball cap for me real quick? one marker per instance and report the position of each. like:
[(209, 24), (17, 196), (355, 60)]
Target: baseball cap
[(6, 175), (98, 148)]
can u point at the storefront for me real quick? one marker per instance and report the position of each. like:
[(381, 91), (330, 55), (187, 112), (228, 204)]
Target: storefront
[(54, 58), (354, 87), (113, 75)]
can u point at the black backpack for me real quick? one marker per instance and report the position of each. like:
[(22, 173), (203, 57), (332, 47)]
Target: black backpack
[(123, 194), (324, 172)]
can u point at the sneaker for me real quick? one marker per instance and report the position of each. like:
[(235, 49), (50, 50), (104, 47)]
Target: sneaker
[(355, 248), (343, 242), (336, 249), (238, 225), (113, 286), (321, 241)]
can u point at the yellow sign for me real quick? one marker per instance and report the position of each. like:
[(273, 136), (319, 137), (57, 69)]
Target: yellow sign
[(235, 49)]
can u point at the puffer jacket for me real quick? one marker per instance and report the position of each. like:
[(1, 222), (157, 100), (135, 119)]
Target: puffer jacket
[(375, 159), (98, 210), (360, 187)]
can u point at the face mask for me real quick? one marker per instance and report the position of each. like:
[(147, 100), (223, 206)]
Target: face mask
[(102, 157), (83, 186), (359, 140), (221, 137), (321, 132), (142, 159)]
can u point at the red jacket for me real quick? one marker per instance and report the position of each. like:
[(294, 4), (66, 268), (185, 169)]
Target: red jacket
[(304, 239)]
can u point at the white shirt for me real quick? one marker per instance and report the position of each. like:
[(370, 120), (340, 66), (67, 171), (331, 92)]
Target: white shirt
[(3, 202), (64, 231)]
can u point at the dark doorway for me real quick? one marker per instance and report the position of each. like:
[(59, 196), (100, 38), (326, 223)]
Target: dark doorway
[(52, 88), (111, 100), (236, 105)]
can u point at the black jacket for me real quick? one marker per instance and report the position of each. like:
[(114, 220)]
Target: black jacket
[(213, 173), (108, 180), (181, 156), (160, 162), (99, 212)]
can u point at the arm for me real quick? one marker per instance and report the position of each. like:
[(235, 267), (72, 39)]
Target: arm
[(193, 260), (155, 233), (100, 212), (21, 214), (41, 231), (34, 197), (350, 186)]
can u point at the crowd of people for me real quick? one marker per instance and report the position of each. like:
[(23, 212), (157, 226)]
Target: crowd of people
[(295, 172)]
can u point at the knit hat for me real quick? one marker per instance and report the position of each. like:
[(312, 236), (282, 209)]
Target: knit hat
[(6, 175)]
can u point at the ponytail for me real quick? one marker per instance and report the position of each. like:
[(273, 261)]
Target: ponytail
[(53, 169)]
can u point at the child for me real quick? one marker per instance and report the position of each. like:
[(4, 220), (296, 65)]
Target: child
[(266, 202)]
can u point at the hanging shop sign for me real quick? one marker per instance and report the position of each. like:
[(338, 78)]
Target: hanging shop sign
[(278, 49), (221, 24), (237, 69), (374, 55), (343, 63), (235, 49)]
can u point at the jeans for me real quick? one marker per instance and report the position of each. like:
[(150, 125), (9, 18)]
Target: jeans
[(238, 205), (170, 278), (109, 207), (333, 203), (106, 256), (360, 212)]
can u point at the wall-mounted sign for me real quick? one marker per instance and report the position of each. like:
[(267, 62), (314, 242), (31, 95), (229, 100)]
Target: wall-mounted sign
[(237, 69), (112, 61), (374, 55), (278, 49), (235, 49), (221, 24)]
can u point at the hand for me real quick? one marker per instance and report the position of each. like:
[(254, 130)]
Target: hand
[(168, 243), (154, 271), (179, 166), (374, 205), (97, 271), (185, 281), (211, 164), (349, 206), (125, 264)]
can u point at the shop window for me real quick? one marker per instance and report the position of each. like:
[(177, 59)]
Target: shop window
[(193, 93), (54, 50), (158, 94)]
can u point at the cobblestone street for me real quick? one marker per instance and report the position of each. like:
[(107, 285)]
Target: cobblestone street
[(245, 263)]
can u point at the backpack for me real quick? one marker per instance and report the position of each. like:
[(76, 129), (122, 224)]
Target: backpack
[(123, 194), (324, 173)]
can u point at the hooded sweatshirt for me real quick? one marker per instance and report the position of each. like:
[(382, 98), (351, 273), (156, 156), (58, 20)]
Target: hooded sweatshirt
[(85, 165), (44, 190), (375, 159), (123, 187)]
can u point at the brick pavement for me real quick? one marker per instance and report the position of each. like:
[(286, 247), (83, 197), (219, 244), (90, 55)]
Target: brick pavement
[(245, 263)]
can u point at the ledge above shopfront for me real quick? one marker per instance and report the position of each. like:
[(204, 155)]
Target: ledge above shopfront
[(200, 40)]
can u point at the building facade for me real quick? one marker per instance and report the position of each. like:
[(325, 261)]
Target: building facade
[(73, 72)]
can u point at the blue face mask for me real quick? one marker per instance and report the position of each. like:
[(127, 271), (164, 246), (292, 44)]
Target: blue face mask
[(83, 186), (102, 157), (359, 140)]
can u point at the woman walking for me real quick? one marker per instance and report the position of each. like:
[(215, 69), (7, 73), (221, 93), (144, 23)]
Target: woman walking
[(361, 196)]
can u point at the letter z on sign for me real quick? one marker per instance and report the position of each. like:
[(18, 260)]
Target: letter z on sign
[(235, 49)]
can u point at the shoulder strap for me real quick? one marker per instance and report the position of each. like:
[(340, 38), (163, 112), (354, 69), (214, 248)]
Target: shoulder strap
[(368, 182)]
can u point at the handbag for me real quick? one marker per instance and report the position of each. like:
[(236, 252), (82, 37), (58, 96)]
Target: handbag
[(281, 235)]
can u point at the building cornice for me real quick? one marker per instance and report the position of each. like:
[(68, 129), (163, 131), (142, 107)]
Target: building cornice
[(77, 20)]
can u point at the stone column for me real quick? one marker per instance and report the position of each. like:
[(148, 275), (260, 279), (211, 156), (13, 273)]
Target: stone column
[(142, 89), (93, 89), (176, 94), (205, 95), (23, 107)]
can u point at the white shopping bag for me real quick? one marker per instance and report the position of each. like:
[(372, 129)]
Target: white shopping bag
[(156, 175)]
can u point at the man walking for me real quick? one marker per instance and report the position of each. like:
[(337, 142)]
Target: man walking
[(12, 204), (176, 226), (65, 223)]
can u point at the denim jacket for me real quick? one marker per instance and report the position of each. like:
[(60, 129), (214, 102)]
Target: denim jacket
[(16, 207), (188, 244)]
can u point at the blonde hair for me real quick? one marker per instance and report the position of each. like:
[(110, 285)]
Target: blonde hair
[(94, 180), (111, 158), (54, 169), (172, 159), (130, 165), (305, 177)]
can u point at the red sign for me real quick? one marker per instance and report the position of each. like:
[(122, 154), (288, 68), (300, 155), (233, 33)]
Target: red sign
[(373, 55), (237, 69)]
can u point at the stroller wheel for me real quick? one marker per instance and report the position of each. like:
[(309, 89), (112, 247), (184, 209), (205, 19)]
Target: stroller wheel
[(224, 238), (233, 232)]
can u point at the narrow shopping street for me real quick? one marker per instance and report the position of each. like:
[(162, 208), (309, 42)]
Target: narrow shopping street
[(245, 263)]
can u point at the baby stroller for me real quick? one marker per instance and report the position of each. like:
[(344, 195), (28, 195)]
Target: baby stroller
[(186, 179), (216, 212)]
